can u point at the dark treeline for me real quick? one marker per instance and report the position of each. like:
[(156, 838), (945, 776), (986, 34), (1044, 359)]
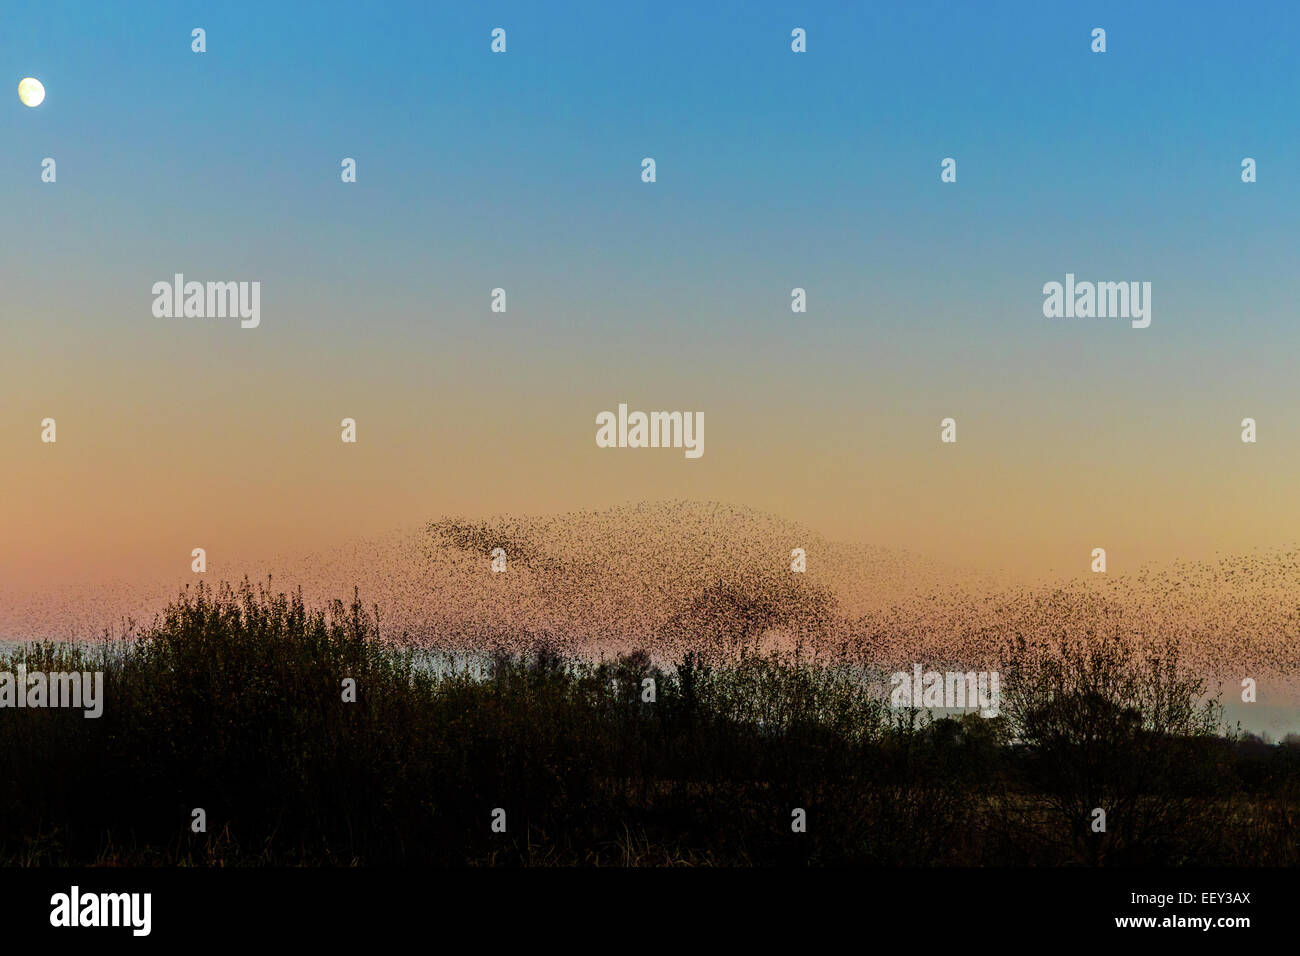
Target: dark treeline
[(233, 702)]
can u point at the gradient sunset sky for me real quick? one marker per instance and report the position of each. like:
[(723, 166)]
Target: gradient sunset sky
[(775, 170)]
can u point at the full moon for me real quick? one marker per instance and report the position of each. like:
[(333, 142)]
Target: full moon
[(31, 92)]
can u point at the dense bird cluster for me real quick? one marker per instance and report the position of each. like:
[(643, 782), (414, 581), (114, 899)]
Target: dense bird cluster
[(710, 577)]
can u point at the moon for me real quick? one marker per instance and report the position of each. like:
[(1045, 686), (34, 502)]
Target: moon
[(32, 92)]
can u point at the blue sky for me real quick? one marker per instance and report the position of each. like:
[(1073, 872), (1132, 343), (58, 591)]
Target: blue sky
[(775, 170), (823, 161)]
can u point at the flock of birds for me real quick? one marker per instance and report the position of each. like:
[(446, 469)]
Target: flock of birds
[(671, 577)]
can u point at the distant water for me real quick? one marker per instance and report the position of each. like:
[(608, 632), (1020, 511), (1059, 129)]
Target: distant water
[(1276, 720)]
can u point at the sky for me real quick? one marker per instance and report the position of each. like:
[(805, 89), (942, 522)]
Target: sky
[(522, 170)]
